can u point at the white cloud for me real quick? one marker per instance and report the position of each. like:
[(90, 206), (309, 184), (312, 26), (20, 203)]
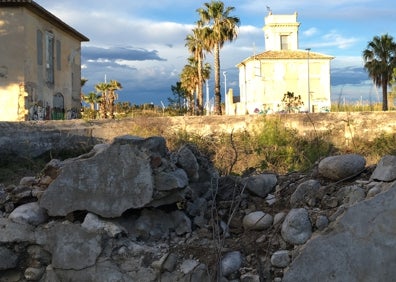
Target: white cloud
[(310, 32), (335, 39)]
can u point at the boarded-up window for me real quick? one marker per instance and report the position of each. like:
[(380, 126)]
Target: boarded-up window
[(39, 47), (58, 55), (49, 57)]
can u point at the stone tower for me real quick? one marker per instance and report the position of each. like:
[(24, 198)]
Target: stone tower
[(281, 32)]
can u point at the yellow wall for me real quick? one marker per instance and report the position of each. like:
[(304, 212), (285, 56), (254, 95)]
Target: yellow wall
[(18, 58), (264, 89)]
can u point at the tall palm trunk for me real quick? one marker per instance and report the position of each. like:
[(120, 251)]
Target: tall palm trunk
[(103, 105), (217, 93), (384, 95), (200, 85), (111, 104)]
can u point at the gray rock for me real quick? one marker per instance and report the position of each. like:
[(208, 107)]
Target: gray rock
[(106, 182), (360, 247), (187, 161), (230, 263), (15, 232), (93, 223), (296, 228), (165, 181), (30, 213), (188, 265), (197, 207), (102, 271), (200, 273), (305, 193), (340, 167), (153, 224), (170, 262), (321, 222), (28, 181), (280, 258), (71, 246), (386, 169), (38, 254), (373, 191), (8, 258), (350, 195), (279, 217), (261, 185), (181, 223), (270, 199), (257, 220), (34, 273)]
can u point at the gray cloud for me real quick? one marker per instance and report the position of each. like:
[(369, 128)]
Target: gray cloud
[(348, 75), (120, 53)]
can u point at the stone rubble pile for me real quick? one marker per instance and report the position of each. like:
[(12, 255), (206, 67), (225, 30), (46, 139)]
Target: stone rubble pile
[(133, 211)]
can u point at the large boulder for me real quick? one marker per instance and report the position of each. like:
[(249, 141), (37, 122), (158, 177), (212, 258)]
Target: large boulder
[(107, 181), (360, 246), (340, 167)]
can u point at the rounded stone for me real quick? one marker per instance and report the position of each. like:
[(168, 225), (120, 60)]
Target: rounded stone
[(280, 258), (296, 228), (231, 262), (257, 220), (340, 167)]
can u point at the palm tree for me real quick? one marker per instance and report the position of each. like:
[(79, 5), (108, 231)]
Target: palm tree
[(91, 98), (196, 44), (102, 89), (189, 81), (380, 60), (223, 28), (114, 85)]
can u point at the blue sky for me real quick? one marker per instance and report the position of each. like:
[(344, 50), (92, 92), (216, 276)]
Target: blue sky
[(141, 43)]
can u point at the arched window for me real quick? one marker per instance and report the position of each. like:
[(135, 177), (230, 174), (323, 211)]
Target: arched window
[(58, 107)]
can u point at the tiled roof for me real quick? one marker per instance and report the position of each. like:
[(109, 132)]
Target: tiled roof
[(287, 54), (40, 11)]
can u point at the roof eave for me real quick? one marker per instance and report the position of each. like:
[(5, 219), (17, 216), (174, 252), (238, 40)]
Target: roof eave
[(43, 13)]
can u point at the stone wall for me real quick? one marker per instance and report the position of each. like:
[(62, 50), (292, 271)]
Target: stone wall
[(35, 138)]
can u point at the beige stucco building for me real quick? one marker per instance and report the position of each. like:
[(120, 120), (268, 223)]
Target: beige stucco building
[(40, 64), (264, 78)]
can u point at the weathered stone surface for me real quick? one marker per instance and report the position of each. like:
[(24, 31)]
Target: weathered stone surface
[(71, 246), (386, 169), (102, 271), (350, 195), (15, 232), (360, 247), (30, 213), (107, 183), (340, 167), (305, 193), (8, 258), (296, 228), (165, 181), (93, 223), (262, 184), (187, 161)]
